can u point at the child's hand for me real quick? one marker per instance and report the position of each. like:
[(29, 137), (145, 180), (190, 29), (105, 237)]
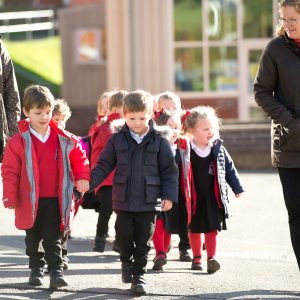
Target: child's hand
[(166, 205), (238, 195), (82, 185)]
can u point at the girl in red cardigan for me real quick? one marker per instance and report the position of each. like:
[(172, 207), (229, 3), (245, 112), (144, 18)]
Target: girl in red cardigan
[(175, 220)]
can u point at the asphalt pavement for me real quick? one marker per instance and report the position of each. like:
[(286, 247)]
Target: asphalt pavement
[(257, 261)]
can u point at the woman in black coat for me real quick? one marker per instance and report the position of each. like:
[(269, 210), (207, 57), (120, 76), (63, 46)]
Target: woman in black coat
[(277, 92)]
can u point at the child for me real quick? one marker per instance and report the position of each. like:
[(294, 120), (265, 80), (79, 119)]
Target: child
[(170, 102), (212, 167), (61, 112), (39, 166), (145, 173), (101, 111), (175, 220), (103, 192)]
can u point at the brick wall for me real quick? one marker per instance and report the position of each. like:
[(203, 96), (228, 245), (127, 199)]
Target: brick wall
[(249, 145)]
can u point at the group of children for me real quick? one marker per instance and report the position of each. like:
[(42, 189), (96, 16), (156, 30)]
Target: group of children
[(162, 171)]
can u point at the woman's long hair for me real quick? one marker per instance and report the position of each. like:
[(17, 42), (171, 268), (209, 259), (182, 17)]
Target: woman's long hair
[(283, 3)]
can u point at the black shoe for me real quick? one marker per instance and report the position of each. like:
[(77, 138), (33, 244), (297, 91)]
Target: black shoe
[(36, 276), (66, 262), (115, 247), (127, 275), (159, 261), (196, 263), (212, 265), (57, 279), (184, 255), (138, 286), (99, 243)]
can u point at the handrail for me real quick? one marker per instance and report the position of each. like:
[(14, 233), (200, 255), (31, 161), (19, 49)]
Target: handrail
[(28, 25), (27, 14)]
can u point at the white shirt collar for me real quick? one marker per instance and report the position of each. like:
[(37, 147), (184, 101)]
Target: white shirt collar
[(201, 152), (173, 148), (137, 137), (44, 138)]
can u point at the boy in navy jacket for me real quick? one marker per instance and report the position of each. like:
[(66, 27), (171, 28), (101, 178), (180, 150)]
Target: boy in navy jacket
[(145, 182)]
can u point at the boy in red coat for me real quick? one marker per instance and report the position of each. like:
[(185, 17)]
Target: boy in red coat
[(42, 163)]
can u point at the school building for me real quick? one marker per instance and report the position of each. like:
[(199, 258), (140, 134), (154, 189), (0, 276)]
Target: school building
[(207, 51)]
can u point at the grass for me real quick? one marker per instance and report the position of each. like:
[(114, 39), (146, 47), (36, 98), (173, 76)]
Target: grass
[(37, 61)]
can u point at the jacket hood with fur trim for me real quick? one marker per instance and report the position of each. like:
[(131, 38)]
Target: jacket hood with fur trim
[(165, 131)]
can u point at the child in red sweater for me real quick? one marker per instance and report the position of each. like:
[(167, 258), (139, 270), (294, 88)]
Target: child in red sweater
[(41, 165), (103, 192)]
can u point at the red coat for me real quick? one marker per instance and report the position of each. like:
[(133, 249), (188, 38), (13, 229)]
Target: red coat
[(20, 174), (99, 138)]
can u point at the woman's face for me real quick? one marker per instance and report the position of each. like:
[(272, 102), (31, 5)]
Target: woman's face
[(290, 19)]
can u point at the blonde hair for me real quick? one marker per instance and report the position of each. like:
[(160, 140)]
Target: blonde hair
[(101, 110), (138, 101), (37, 96), (203, 112), (284, 3), (171, 97), (62, 108)]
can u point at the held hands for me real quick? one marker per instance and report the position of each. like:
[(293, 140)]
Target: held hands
[(238, 195), (82, 185), (166, 205)]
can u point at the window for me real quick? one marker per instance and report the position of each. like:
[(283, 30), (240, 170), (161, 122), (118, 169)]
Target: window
[(222, 23), (257, 15), (187, 20), (188, 69)]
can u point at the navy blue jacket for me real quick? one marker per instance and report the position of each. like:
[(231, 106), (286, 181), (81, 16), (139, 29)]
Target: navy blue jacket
[(226, 173), (145, 173)]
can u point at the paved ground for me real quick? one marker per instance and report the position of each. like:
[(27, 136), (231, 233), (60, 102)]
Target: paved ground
[(256, 258)]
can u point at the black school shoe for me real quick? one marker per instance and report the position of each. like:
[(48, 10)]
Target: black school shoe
[(138, 286), (57, 279), (184, 255), (212, 265), (99, 243), (36, 276), (127, 275)]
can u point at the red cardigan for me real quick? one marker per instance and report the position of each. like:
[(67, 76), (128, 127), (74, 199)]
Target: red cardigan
[(99, 138)]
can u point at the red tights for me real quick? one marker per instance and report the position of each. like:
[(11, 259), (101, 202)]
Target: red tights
[(161, 238), (210, 243)]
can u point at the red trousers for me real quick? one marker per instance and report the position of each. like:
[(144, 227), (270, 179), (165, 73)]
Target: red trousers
[(161, 238), (196, 242)]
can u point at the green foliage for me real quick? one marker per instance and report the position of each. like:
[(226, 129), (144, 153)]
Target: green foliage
[(187, 20), (37, 62)]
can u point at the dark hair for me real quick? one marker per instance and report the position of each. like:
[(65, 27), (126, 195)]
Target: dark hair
[(116, 99), (138, 101), (161, 118), (284, 3), (37, 96)]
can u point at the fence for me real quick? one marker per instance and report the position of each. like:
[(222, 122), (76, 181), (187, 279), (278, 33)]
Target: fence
[(30, 25)]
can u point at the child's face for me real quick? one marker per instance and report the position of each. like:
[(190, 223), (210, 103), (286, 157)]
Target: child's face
[(138, 121), (202, 133), (173, 123), (60, 120), (167, 104), (102, 106), (39, 118)]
